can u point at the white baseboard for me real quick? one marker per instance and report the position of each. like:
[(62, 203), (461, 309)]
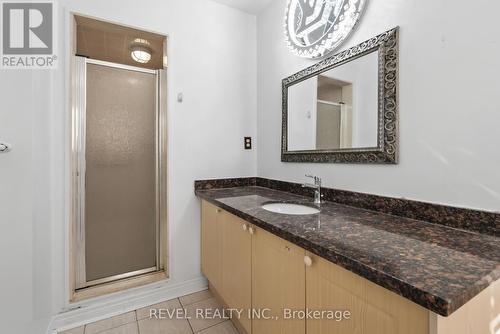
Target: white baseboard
[(119, 303)]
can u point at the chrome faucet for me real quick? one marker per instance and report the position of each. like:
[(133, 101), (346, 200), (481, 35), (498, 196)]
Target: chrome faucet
[(317, 188)]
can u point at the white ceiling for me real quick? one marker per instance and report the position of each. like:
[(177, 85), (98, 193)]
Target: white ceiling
[(249, 6)]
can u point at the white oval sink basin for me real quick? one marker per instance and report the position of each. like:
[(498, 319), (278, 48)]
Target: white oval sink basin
[(290, 208)]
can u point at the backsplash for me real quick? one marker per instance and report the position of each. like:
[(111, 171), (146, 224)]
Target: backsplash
[(467, 219)]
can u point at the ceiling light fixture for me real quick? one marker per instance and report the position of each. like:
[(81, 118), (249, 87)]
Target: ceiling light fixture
[(140, 51)]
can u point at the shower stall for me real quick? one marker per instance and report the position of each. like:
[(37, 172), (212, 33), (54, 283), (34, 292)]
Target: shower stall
[(119, 174)]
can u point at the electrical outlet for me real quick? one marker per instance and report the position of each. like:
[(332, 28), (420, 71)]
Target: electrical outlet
[(248, 143)]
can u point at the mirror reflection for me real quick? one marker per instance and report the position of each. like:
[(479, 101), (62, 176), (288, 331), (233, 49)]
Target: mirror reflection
[(337, 109)]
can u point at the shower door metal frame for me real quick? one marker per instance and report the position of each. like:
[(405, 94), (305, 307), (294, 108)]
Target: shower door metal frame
[(79, 151)]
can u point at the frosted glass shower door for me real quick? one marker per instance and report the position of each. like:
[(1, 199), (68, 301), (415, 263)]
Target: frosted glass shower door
[(121, 220)]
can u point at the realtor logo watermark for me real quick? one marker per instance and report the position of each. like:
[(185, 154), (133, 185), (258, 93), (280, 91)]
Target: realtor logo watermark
[(28, 35)]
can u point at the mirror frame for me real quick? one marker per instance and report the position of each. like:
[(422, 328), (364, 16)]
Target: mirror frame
[(386, 152)]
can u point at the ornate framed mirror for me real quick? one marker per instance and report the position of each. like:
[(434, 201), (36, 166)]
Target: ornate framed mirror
[(344, 109)]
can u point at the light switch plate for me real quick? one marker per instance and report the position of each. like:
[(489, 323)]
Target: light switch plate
[(248, 143)]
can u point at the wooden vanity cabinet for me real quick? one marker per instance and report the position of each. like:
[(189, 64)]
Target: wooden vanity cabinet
[(211, 243), (278, 284), (373, 309), (250, 268), (226, 259), (237, 267)]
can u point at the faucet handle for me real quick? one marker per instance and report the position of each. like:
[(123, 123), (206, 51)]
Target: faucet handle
[(317, 180)]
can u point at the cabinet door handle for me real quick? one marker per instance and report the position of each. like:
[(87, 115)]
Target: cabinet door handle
[(245, 227), (218, 210), (251, 230), (308, 261)]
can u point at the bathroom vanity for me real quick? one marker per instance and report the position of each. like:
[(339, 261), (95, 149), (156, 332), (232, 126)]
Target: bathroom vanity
[(391, 274), (381, 265)]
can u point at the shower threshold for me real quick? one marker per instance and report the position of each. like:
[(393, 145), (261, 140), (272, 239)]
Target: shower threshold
[(120, 277), (119, 283)]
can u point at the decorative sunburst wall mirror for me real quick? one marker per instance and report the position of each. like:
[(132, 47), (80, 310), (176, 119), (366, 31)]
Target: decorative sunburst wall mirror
[(314, 28)]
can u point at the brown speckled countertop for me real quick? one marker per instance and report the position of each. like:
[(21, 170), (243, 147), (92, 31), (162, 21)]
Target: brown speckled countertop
[(438, 267)]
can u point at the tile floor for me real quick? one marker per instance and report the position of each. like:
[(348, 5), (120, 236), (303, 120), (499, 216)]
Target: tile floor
[(139, 322)]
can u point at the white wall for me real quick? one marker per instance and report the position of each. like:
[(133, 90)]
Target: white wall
[(26, 219), (212, 60), (449, 140), (16, 197)]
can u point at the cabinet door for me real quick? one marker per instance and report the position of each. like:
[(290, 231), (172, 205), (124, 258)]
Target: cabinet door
[(278, 283), (374, 310), (237, 266), (211, 243)]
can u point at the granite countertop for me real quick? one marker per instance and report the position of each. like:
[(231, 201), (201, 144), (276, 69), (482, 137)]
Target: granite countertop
[(437, 267)]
